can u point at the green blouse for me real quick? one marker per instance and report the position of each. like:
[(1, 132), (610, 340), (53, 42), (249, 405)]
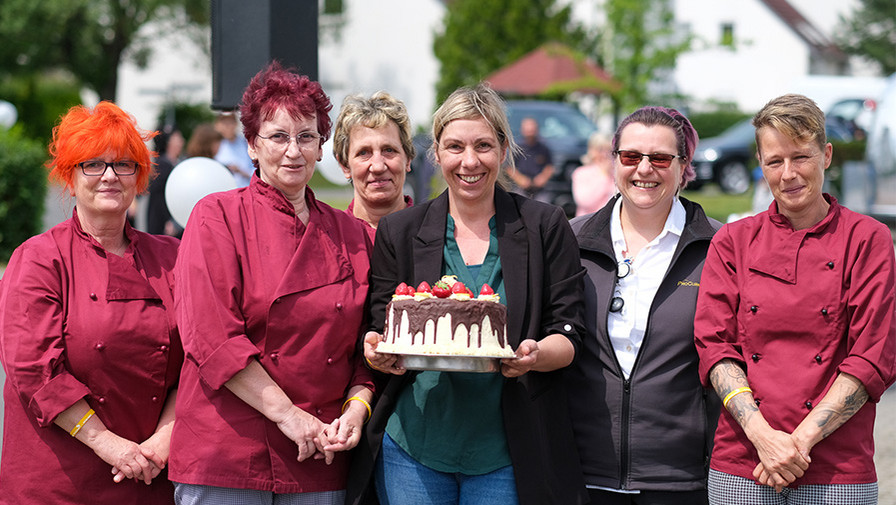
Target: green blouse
[(452, 421)]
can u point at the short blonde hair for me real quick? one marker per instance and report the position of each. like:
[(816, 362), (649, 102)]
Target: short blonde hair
[(373, 112), (796, 116), (480, 101)]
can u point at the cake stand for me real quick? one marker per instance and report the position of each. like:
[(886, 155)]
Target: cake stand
[(449, 362)]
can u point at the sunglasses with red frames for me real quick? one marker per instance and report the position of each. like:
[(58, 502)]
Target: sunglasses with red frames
[(633, 158)]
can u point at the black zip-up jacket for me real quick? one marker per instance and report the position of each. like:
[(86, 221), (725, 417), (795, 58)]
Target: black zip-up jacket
[(653, 431)]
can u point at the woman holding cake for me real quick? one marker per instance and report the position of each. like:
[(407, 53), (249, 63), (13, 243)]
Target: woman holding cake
[(451, 437), (271, 291), (643, 421), (372, 142)]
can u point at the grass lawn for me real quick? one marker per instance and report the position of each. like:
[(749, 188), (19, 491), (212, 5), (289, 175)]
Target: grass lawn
[(720, 205)]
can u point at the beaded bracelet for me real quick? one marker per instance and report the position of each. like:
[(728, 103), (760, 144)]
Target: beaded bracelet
[(369, 411), (734, 393), (80, 424)]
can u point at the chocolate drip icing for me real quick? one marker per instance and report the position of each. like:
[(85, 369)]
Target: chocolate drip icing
[(466, 313)]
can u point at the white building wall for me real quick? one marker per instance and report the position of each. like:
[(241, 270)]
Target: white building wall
[(769, 59), (386, 45), (178, 70), (766, 58)]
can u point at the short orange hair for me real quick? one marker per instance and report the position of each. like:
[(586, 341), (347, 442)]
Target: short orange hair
[(85, 133)]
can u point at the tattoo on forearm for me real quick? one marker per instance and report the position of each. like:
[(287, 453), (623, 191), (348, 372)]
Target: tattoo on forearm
[(726, 376), (842, 402)]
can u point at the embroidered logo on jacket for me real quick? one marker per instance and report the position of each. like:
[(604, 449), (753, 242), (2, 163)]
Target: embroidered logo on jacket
[(687, 282)]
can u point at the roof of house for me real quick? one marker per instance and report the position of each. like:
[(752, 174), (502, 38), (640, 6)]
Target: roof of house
[(804, 28), (552, 67)]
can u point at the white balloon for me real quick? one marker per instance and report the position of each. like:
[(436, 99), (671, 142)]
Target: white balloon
[(192, 180), (8, 114), (329, 167)]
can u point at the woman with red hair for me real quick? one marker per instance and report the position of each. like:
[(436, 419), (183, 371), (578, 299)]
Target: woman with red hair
[(89, 344), (270, 299)]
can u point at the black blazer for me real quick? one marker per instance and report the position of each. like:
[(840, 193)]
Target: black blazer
[(543, 281)]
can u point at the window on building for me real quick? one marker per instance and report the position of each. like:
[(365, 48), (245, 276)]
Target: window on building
[(332, 7), (727, 39)]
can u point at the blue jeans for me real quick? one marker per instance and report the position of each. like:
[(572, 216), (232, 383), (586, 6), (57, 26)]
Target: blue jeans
[(401, 480)]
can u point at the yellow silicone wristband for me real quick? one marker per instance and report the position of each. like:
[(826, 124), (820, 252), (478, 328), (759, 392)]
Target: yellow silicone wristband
[(369, 411), (80, 424), (734, 393)]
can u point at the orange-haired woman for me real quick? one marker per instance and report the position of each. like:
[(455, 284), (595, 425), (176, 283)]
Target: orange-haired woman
[(88, 342)]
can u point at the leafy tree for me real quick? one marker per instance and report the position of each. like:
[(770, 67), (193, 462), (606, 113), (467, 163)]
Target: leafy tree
[(87, 38), (640, 46), (481, 36), (870, 31)]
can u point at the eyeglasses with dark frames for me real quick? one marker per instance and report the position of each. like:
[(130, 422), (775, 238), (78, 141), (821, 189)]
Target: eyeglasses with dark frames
[(95, 168), (633, 158), (623, 269)]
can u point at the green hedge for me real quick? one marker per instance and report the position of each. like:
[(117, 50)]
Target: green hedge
[(711, 124), (40, 102), (23, 188)]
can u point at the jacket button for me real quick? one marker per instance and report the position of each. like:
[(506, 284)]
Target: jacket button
[(99, 346), (274, 356), (756, 357), (818, 358), (163, 348), (809, 405), (329, 361), (754, 308), (93, 296), (338, 306), (101, 399), (155, 399), (758, 401), (319, 412), (830, 264), (824, 312)]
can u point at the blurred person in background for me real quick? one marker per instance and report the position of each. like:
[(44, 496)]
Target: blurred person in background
[(88, 337), (271, 294), (169, 143), (796, 329), (534, 167), (643, 421), (592, 183), (205, 141), (373, 145), (233, 151)]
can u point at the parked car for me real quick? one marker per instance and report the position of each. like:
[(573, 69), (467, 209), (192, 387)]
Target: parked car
[(565, 130), (853, 114), (727, 159)]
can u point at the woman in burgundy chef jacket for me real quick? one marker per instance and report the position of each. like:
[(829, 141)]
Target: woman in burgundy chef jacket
[(796, 329), (87, 332), (270, 297)]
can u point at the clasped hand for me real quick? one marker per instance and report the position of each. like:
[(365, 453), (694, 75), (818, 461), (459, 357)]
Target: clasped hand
[(318, 440), (782, 459), (129, 460)]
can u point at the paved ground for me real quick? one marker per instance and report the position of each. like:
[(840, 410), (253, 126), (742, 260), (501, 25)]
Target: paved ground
[(885, 447)]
